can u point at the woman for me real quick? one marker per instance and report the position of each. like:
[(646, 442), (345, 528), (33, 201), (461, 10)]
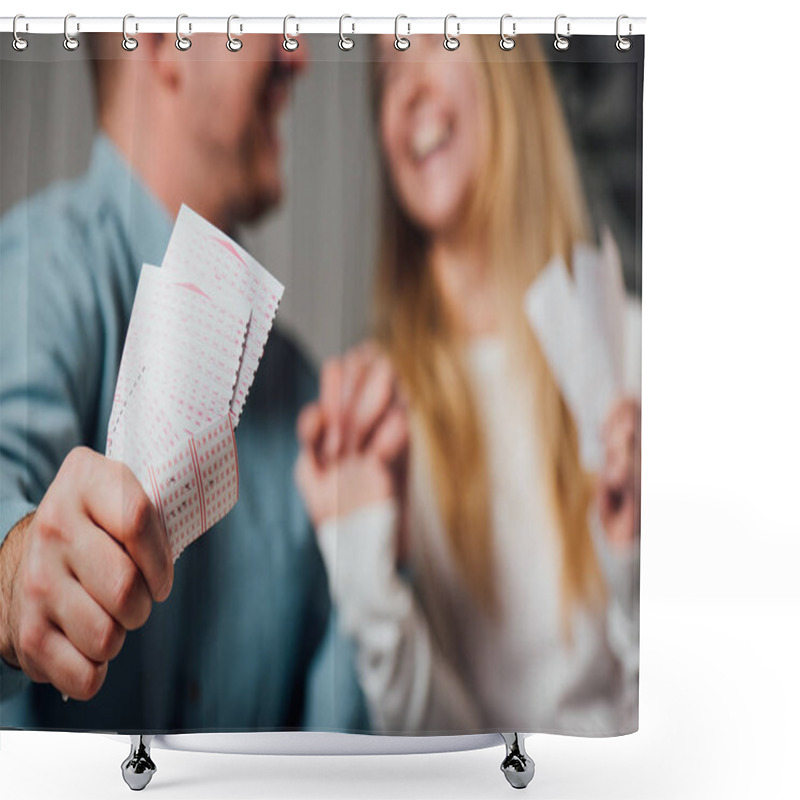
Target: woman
[(483, 573)]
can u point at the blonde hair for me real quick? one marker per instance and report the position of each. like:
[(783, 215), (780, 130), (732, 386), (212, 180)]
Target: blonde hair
[(528, 206)]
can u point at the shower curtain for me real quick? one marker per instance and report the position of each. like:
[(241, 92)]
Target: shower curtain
[(320, 387)]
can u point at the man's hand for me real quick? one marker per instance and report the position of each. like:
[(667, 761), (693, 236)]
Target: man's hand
[(79, 572), (360, 407), (354, 439)]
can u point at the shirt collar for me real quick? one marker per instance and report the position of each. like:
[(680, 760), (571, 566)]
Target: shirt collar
[(146, 223)]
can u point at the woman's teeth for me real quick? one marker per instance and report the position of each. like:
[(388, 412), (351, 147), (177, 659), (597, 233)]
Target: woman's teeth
[(428, 137)]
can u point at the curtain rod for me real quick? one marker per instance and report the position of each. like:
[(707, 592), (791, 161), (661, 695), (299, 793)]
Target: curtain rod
[(628, 26)]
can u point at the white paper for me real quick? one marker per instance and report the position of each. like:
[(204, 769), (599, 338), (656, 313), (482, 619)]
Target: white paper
[(579, 325), (196, 334), (198, 250)]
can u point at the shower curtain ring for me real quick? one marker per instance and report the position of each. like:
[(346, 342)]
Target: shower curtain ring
[(623, 44), (233, 44), (182, 42), (451, 42), (506, 41), (18, 43), (129, 43), (70, 42), (561, 42), (345, 42), (290, 44), (401, 42)]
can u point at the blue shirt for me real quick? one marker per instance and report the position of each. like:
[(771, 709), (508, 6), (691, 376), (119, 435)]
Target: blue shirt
[(247, 640)]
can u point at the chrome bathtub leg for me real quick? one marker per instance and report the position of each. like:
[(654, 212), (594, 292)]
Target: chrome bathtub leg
[(138, 768), (517, 766)]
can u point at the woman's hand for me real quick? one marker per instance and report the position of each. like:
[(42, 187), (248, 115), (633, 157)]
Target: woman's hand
[(619, 483), (354, 438)]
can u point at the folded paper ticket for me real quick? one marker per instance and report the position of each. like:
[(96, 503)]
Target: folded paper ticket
[(579, 321), (197, 331)]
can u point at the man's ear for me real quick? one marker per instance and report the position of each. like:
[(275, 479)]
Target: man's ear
[(165, 59)]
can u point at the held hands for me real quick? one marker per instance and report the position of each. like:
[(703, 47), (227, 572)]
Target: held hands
[(619, 484), (354, 438), (354, 447), (79, 572)]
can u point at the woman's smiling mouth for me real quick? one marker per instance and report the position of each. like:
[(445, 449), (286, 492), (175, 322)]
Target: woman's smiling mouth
[(428, 137)]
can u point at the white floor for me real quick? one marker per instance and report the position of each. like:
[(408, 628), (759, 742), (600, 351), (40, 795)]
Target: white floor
[(719, 704)]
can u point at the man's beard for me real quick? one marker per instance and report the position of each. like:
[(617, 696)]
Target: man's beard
[(249, 209)]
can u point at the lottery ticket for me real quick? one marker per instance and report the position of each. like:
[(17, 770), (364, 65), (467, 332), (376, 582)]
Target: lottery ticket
[(197, 331), (571, 328)]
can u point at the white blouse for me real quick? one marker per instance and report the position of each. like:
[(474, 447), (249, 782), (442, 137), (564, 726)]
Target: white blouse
[(428, 657)]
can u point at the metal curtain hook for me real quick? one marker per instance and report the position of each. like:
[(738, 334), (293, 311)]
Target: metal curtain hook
[(70, 42), (233, 44), (18, 43), (290, 44), (561, 42), (129, 43), (451, 42), (345, 42), (181, 41), (623, 44), (507, 42), (401, 42)]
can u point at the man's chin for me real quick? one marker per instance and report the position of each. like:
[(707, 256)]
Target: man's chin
[(256, 206)]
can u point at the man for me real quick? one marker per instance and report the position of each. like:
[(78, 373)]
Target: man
[(238, 634)]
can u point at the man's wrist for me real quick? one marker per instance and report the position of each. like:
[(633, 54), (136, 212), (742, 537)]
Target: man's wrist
[(10, 554)]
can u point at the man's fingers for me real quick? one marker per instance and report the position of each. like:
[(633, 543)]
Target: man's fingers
[(330, 398), (391, 436), (310, 424), (339, 386), (69, 670), (315, 485), (110, 576), (116, 501), (330, 383), (355, 365), (91, 630), (374, 398)]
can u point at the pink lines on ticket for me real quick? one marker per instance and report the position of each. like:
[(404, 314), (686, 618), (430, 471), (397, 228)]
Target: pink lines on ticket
[(198, 252), (197, 332)]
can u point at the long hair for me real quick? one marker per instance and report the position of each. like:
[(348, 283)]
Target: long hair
[(528, 206)]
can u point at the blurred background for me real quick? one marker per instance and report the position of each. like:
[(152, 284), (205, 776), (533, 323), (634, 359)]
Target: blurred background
[(321, 241)]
